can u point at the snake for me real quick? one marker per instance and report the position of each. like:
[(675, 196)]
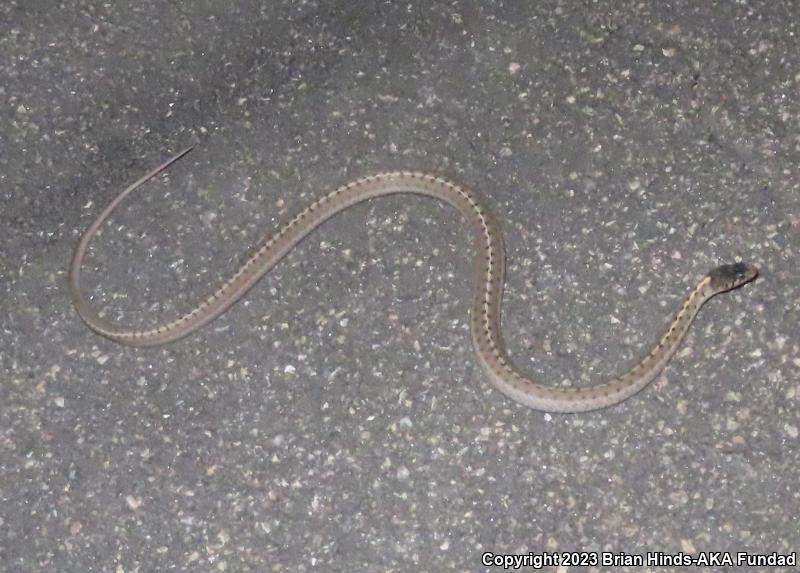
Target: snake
[(487, 293)]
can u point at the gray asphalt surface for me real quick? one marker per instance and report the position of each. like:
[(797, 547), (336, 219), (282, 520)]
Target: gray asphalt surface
[(336, 420)]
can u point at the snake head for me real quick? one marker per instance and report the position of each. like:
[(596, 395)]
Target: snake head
[(727, 277)]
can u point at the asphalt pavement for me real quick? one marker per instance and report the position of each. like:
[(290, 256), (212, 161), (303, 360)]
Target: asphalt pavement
[(336, 419)]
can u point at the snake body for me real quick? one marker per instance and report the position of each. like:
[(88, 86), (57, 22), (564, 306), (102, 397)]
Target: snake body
[(485, 327)]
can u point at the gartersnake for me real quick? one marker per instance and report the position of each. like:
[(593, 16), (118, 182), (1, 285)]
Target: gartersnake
[(487, 337)]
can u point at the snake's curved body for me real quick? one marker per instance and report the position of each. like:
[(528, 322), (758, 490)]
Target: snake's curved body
[(486, 299)]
